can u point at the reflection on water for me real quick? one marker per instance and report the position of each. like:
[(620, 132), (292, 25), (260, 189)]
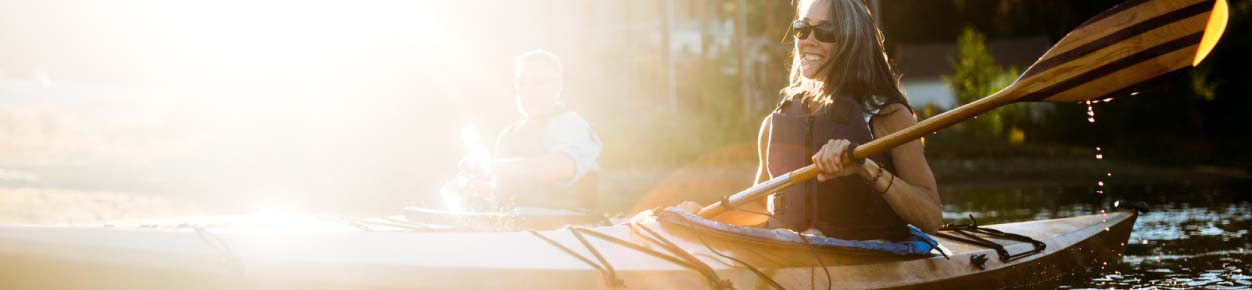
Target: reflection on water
[(1194, 237)]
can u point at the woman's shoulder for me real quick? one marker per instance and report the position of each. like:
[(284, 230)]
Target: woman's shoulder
[(893, 117)]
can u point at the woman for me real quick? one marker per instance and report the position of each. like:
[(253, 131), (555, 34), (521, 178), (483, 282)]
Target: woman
[(842, 91)]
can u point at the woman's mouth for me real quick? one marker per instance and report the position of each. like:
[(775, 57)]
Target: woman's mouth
[(811, 59)]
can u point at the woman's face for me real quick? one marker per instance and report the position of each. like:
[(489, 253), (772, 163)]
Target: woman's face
[(812, 52)]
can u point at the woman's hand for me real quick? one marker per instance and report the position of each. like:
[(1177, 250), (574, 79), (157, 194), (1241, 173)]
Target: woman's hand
[(829, 160)]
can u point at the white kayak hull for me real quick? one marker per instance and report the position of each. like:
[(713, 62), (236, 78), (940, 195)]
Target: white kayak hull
[(344, 257)]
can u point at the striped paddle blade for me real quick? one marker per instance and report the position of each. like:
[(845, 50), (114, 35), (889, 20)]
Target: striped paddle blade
[(1125, 46)]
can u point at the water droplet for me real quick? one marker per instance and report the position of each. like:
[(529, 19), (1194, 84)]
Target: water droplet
[(1099, 156), (1106, 100), (1101, 183), (1109, 174), (1090, 113)]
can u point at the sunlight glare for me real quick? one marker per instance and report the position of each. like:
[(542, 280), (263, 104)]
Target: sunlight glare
[(451, 201), (274, 219)]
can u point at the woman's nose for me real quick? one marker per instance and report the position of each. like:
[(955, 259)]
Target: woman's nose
[(808, 41)]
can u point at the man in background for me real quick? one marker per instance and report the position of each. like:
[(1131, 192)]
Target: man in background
[(550, 157)]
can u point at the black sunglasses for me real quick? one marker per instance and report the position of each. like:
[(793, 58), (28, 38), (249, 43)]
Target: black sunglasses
[(825, 32)]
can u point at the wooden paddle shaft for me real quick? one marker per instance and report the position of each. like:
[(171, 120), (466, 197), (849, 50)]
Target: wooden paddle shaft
[(876, 146)]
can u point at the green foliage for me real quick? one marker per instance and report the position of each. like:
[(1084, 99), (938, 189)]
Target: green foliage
[(975, 75), (1204, 84)]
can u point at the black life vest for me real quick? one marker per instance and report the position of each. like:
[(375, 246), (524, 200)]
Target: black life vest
[(524, 139), (845, 207)]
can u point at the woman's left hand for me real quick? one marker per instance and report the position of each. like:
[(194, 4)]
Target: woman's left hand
[(829, 160)]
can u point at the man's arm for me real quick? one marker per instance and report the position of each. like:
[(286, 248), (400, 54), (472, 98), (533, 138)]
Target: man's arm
[(549, 167), (574, 149)]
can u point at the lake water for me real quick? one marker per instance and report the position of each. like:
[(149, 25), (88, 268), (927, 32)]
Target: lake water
[(1193, 237)]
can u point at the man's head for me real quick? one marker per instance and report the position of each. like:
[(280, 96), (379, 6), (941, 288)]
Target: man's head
[(538, 82)]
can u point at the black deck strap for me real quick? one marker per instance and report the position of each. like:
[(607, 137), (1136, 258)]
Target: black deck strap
[(758, 272), (610, 277), (638, 248), (1038, 246), (711, 277), (976, 240), (966, 233), (715, 282)]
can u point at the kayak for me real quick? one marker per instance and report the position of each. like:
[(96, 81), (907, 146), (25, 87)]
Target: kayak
[(518, 219), (646, 253)]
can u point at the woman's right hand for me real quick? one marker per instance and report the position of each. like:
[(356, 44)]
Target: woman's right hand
[(830, 163)]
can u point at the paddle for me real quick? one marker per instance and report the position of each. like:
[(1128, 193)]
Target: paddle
[(1112, 54)]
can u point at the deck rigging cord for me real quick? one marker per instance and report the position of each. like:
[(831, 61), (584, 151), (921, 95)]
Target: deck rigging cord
[(606, 270), (829, 281), (725, 203), (677, 255), (218, 245), (965, 234), (754, 270)]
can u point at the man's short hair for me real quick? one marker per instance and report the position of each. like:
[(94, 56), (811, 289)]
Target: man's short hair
[(537, 56)]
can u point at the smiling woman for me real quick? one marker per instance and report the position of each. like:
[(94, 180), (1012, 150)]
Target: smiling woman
[(842, 92)]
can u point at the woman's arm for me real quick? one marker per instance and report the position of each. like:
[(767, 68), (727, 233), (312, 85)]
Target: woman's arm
[(746, 218), (911, 190)]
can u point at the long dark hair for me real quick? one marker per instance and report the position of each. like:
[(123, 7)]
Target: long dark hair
[(858, 66)]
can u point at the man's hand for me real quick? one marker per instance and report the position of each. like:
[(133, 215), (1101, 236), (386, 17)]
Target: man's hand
[(689, 206)]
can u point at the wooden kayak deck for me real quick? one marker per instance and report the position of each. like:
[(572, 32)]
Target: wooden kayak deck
[(219, 258)]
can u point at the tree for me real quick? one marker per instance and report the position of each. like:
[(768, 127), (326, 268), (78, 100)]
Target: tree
[(975, 75)]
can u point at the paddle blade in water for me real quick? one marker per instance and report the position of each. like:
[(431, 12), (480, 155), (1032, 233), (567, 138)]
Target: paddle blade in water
[(1133, 43)]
